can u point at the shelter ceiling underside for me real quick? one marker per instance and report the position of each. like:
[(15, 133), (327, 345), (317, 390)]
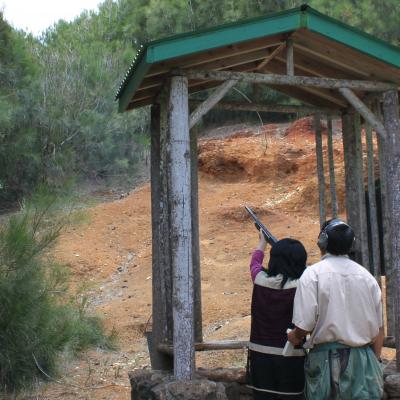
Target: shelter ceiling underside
[(314, 55)]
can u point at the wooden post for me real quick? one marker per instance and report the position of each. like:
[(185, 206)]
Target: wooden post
[(161, 265), (360, 192), (181, 229), (351, 179), (392, 125), (385, 220), (289, 57), (320, 168), (332, 183), (373, 215), (198, 329)]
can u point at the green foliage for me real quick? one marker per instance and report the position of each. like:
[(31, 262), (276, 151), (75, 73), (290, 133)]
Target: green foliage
[(38, 319), (58, 117)]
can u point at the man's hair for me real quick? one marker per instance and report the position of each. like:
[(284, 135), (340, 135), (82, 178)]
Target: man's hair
[(287, 257), (340, 238)]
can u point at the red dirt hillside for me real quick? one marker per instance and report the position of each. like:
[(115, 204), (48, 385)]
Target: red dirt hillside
[(270, 169)]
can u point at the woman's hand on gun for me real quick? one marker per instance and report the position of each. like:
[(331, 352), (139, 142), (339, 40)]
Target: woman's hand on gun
[(262, 244)]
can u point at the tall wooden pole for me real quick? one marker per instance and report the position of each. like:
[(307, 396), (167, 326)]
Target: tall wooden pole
[(392, 125), (386, 246), (320, 168), (198, 329), (181, 229), (332, 183), (161, 266), (360, 192), (373, 215), (351, 179), (289, 57)]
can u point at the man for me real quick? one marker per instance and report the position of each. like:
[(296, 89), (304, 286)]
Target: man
[(338, 302)]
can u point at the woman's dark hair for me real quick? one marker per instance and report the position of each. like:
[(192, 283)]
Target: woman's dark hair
[(287, 257)]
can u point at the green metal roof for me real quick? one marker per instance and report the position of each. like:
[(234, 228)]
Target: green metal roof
[(300, 20)]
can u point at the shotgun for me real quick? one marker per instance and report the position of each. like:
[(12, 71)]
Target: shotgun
[(269, 237)]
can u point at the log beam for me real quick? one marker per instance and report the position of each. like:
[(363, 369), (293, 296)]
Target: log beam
[(277, 108), (361, 108), (209, 346), (273, 79), (209, 103)]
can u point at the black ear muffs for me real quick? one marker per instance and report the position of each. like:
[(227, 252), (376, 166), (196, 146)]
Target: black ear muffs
[(323, 238)]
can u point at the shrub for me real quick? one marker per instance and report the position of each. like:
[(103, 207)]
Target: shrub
[(38, 319)]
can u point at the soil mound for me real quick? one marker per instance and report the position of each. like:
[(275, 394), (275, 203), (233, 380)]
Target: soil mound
[(302, 129)]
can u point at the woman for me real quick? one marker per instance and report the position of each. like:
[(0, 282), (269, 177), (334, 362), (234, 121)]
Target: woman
[(272, 375)]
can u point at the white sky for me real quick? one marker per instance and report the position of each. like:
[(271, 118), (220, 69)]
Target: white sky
[(37, 15)]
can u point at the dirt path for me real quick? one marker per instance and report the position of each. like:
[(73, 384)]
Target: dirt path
[(270, 170)]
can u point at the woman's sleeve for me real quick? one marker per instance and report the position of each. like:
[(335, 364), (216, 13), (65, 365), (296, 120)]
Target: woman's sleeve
[(256, 263)]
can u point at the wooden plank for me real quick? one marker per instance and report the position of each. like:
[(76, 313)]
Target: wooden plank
[(361, 108), (209, 103), (350, 57), (324, 56), (320, 169), (219, 54), (278, 66), (273, 79), (160, 316), (181, 229), (277, 108), (289, 57), (392, 125), (319, 67), (373, 215), (332, 183), (223, 63)]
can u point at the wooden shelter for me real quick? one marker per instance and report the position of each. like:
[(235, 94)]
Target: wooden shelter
[(333, 69)]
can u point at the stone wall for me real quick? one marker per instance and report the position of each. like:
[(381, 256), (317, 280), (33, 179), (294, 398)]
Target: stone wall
[(391, 382), (219, 384)]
